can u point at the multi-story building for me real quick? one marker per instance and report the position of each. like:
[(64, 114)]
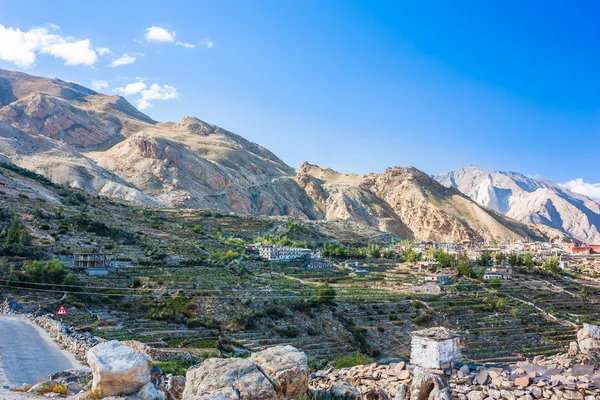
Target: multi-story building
[(279, 253), (95, 264)]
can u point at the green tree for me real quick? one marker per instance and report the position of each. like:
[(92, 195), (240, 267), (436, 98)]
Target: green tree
[(513, 259), (495, 283), (16, 238), (551, 265), (483, 259), (501, 304), (325, 294), (528, 260), (463, 266), (373, 251), (500, 257)]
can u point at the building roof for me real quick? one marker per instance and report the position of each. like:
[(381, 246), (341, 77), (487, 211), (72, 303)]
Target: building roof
[(436, 333)]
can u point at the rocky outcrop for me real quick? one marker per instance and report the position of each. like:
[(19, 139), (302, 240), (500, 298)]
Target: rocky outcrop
[(103, 145), (230, 378), (588, 339), (118, 369), (286, 368), (280, 372)]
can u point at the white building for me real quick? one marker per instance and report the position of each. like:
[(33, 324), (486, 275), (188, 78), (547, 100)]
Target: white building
[(279, 253), (434, 347)]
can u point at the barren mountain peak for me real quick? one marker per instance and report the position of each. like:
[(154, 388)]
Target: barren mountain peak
[(106, 146)]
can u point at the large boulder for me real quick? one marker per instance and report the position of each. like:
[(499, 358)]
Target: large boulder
[(588, 332), (427, 385), (229, 378), (589, 346), (287, 369), (118, 369)]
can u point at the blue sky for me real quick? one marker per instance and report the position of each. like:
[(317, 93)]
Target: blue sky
[(353, 85)]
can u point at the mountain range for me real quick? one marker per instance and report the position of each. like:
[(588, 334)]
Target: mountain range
[(105, 146), (531, 201)]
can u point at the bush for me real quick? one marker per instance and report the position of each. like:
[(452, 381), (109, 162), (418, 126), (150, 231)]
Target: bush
[(175, 367), (350, 360), (175, 309), (423, 318), (325, 294), (316, 363), (15, 239)]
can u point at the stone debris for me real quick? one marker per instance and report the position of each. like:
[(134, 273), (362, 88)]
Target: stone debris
[(10, 306), (69, 338), (554, 377)]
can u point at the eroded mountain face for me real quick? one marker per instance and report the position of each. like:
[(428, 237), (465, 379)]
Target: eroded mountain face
[(103, 145), (530, 201)]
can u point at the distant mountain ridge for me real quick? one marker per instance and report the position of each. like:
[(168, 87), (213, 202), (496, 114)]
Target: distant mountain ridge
[(102, 144), (531, 201)]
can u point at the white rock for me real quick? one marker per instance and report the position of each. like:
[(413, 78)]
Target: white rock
[(233, 378), (149, 392), (588, 332), (118, 369)]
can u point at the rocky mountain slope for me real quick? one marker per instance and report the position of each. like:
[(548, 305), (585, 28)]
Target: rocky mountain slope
[(102, 144), (530, 201)]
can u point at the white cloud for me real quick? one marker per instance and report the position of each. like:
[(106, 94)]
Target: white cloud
[(161, 35), (123, 60), (145, 95), (535, 176), (206, 43), (156, 92), (158, 34), (23, 47), (186, 45), (130, 89), (103, 50), (99, 85), (578, 185)]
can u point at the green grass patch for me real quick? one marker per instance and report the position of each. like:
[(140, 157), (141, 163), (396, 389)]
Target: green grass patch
[(350, 360), (175, 367)]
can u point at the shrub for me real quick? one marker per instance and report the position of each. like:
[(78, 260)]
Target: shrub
[(350, 360), (325, 294), (175, 367), (423, 318), (316, 363)]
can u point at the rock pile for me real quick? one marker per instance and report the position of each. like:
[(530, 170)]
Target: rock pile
[(556, 377), (71, 339), (69, 382), (10, 306), (392, 378)]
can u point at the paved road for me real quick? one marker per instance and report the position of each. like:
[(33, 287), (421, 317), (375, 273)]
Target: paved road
[(27, 353)]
